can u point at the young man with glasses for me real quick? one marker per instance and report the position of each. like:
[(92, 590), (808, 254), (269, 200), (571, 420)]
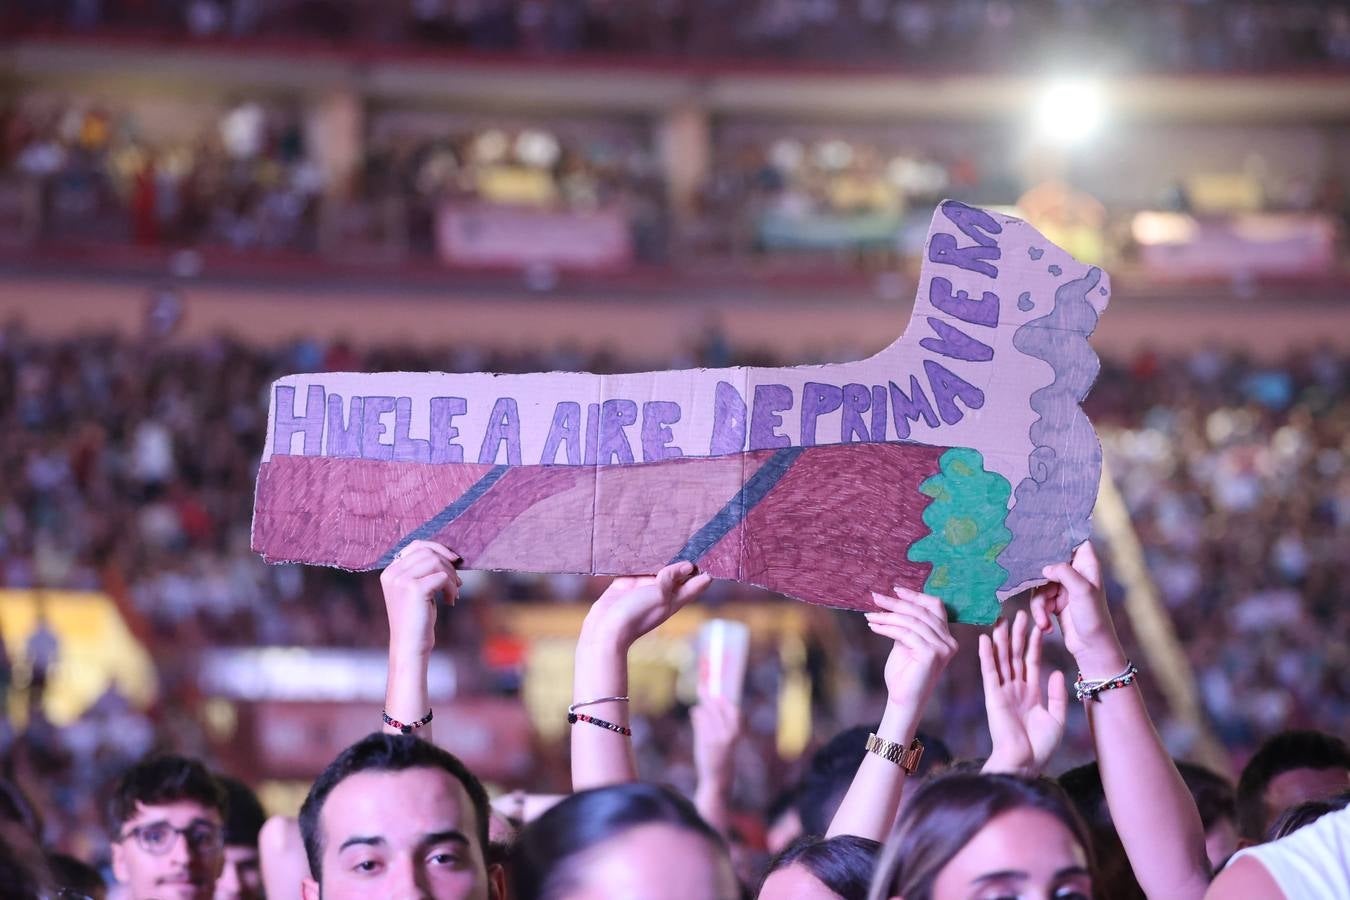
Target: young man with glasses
[(167, 818)]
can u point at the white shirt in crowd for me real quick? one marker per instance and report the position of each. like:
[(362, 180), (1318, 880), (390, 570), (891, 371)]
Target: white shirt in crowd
[(1311, 863)]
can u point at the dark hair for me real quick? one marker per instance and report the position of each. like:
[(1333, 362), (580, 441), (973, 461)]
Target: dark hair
[(246, 816), (844, 863), (1282, 753), (159, 780), (1083, 786), (947, 812), (831, 769), (74, 875), (1214, 795), (1306, 813), (17, 808), (544, 850), (380, 752)]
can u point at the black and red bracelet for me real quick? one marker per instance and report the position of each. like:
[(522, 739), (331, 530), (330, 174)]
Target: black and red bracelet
[(575, 717), (408, 727)]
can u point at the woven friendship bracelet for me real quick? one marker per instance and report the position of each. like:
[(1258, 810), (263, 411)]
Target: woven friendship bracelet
[(407, 727), (1084, 689), (575, 717)]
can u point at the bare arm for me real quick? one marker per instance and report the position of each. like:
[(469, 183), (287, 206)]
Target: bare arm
[(628, 609), (410, 584), (282, 855), (917, 623), (717, 725), (1154, 813), (1245, 879)]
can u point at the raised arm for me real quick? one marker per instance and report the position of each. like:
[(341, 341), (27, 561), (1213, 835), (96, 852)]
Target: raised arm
[(1024, 731), (602, 746), (917, 623), (420, 572), (717, 725), (1154, 814)]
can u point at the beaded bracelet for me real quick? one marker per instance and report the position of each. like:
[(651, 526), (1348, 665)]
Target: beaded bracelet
[(1085, 689), (407, 727), (575, 717)]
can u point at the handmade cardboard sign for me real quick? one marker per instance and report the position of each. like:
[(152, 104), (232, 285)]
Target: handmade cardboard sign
[(956, 461)]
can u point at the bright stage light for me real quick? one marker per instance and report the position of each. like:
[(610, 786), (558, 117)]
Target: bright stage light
[(1069, 112)]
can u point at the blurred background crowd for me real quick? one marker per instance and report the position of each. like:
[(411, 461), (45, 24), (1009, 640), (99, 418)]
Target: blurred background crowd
[(777, 159)]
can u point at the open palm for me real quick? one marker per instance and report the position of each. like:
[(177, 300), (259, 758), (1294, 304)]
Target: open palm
[(1025, 729)]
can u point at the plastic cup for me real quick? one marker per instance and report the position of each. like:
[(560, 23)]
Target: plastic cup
[(723, 646)]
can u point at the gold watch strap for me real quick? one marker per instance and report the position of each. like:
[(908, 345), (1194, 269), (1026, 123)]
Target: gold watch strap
[(906, 758)]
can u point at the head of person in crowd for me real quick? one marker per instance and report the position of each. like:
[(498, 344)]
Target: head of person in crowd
[(633, 840), (964, 834), (76, 877), (822, 869), (1306, 813), (1287, 769), (1216, 799), (242, 876), (1083, 786), (831, 769), (166, 820), (397, 816)]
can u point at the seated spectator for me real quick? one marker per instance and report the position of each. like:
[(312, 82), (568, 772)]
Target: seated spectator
[(1007, 834), (242, 877), (809, 868), (394, 815), (1216, 798), (1287, 769), (634, 840), (167, 821)]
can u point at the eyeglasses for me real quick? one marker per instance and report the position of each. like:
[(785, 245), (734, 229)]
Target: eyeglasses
[(158, 838)]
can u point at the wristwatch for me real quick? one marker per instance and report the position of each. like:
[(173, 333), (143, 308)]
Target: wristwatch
[(906, 758)]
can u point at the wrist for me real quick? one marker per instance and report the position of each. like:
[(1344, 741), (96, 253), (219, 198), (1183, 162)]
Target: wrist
[(1101, 661), (600, 638), (409, 654), (900, 721)]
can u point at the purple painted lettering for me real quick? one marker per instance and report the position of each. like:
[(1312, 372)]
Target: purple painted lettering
[(908, 409), (728, 434), (406, 448), (592, 432), (344, 439), (857, 399), (878, 412), (971, 220), (947, 387), (372, 428), (615, 415), (954, 343), (817, 400), (657, 417), (770, 400), (942, 249), (564, 432), (503, 427), (443, 430), (977, 312), (287, 424)]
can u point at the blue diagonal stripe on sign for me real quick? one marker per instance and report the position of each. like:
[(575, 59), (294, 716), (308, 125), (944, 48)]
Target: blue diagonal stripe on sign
[(739, 506), (432, 527)]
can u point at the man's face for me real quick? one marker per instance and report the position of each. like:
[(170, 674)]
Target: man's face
[(403, 834), (1297, 785), (170, 851), (242, 877)]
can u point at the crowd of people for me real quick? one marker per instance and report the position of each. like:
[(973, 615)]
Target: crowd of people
[(396, 816), (1168, 35), (135, 464)]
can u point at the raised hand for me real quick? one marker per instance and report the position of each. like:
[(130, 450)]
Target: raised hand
[(717, 726), (1075, 596), (632, 606), (917, 623), (420, 572), (1024, 730)]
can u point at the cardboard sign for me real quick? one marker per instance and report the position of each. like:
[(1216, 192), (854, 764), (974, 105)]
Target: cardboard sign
[(956, 461)]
